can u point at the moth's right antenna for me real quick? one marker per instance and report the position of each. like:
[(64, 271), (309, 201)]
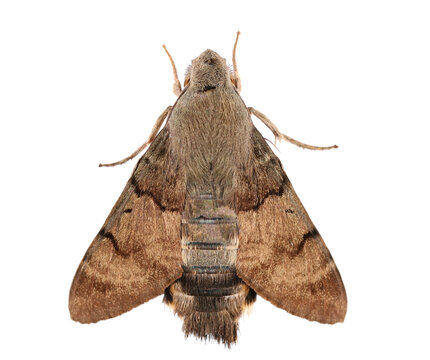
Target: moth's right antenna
[(177, 88), (237, 81)]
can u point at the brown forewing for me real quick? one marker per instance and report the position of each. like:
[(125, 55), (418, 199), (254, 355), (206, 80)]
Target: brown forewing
[(136, 254), (281, 254)]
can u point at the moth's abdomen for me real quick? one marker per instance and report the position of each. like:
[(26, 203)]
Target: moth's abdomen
[(209, 297), (210, 304)]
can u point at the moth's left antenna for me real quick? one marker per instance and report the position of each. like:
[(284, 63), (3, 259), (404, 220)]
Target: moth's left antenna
[(177, 88), (236, 76)]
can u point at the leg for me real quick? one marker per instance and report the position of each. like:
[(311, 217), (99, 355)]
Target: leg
[(279, 135), (177, 89), (151, 138), (236, 78)]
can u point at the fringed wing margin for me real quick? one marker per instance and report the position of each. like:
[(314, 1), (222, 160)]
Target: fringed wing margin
[(136, 254), (281, 255)]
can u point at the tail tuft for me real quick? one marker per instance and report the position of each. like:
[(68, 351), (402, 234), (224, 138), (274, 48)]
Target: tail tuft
[(221, 326)]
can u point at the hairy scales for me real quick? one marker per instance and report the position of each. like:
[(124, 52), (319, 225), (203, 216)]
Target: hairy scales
[(210, 135), (210, 218), (209, 296)]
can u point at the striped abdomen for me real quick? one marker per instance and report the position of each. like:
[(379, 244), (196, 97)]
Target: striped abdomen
[(209, 296)]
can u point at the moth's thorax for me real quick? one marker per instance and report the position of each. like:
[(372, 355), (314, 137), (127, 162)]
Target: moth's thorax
[(209, 70), (210, 135)]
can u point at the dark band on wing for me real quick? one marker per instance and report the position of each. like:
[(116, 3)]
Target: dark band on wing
[(139, 192), (276, 192), (111, 237), (309, 235)]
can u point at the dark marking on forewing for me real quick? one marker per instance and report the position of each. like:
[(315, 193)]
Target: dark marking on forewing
[(128, 210), (279, 192), (111, 237), (139, 192), (289, 211), (309, 235), (266, 178), (316, 287)]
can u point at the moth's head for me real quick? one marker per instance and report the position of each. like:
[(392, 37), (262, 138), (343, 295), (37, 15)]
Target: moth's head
[(208, 70)]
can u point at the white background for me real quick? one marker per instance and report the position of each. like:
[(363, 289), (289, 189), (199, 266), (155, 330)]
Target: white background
[(82, 82)]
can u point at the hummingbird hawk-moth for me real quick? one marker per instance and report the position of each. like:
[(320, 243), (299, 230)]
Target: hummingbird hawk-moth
[(210, 220)]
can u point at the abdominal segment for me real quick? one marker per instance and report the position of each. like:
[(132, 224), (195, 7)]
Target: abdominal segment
[(209, 296)]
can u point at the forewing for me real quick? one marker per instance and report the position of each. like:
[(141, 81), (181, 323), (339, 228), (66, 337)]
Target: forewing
[(136, 254), (281, 254)]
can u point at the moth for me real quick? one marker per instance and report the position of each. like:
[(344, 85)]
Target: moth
[(209, 219)]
